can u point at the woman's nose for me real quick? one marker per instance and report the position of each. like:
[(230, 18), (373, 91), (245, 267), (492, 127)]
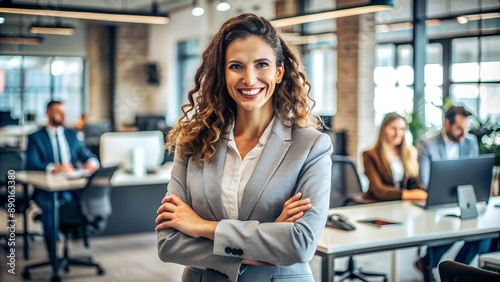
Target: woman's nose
[(250, 77)]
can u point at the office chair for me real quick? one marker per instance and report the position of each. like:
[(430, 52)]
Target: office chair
[(346, 186), (13, 160), (490, 261), (346, 190), (452, 271), (83, 218)]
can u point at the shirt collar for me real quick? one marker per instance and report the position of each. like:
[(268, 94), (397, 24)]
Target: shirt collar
[(263, 138), (52, 130)]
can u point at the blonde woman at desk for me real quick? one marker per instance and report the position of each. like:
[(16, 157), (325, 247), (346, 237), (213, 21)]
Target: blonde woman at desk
[(249, 194), (391, 165)]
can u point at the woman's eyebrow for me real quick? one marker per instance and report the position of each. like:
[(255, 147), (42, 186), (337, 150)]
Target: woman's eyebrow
[(262, 60)]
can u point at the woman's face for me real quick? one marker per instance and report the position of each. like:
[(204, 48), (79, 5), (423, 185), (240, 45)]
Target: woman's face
[(251, 73), (395, 132)]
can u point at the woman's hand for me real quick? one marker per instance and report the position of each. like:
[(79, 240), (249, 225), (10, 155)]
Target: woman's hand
[(294, 208), (174, 213), (414, 194)]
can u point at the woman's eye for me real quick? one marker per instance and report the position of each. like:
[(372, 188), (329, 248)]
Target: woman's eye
[(235, 66), (262, 64)]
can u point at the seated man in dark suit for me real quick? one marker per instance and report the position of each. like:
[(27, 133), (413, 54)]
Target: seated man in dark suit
[(56, 149)]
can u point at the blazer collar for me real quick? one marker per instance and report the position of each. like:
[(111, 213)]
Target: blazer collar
[(441, 145), (272, 155)]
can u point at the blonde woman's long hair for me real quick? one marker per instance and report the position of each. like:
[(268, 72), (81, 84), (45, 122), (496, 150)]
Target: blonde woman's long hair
[(407, 155)]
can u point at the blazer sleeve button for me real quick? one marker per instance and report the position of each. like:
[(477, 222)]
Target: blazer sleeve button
[(227, 250), (234, 251), (240, 252)]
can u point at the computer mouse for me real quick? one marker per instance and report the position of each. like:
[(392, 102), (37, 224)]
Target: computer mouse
[(340, 222)]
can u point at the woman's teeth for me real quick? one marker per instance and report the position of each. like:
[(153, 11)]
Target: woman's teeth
[(250, 92)]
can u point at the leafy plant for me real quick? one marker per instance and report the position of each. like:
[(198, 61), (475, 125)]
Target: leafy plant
[(488, 135), (416, 126)]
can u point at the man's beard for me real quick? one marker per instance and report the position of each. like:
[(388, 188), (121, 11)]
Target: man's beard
[(454, 138), (56, 123)]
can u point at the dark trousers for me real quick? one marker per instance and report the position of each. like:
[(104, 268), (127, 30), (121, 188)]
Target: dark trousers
[(466, 254), (45, 201)]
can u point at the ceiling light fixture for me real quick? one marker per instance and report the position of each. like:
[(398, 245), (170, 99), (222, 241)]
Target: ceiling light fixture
[(197, 10), (56, 29), (20, 40), (372, 7), (223, 6), (85, 13), (476, 17), (381, 28)]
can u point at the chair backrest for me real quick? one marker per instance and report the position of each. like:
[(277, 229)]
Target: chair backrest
[(345, 180), (10, 160), (452, 271), (95, 200)]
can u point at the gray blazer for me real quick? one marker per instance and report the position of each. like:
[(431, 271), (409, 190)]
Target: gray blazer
[(293, 160), (433, 148)]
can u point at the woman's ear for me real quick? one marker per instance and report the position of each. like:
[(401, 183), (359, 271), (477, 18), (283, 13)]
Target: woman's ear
[(280, 72)]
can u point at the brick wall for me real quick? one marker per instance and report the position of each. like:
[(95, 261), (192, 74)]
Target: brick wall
[(355, 63), (98, 72)]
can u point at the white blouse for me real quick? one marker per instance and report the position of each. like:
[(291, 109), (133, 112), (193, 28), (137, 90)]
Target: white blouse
[(237, 172), (398, 170)]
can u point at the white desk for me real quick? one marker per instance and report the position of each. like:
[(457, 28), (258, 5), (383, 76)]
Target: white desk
[(57, 182), (162, 176), (421, 227)]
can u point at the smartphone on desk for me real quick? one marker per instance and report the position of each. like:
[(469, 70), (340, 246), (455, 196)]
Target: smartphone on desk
[(381, 223)]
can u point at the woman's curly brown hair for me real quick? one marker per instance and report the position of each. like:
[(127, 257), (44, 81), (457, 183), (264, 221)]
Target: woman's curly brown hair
[(211, 110)]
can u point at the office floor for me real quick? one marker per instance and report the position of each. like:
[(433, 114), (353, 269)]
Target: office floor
[(133, 258)]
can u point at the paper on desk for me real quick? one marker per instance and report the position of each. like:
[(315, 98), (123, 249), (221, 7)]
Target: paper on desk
[(76, 174)]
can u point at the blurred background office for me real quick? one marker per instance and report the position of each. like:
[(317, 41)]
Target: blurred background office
[(413, 58), (410, 59)]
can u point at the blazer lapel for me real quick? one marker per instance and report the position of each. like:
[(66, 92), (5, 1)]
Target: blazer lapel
[(212, 179), (274, 151), (440, 147), (47, 145), (385, 171)]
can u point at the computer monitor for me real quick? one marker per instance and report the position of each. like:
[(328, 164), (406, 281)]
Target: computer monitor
[(447, 175), (117, 148)]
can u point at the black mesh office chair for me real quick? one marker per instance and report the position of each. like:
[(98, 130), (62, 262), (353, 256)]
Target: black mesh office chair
[(346, 190), (83, 218), (346, 186), (13, 161), (452, 271)]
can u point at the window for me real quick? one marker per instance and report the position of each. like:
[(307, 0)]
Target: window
[(475, 79), (433, 78), (28, 83), (188, 61), (321, 70), (393, 77)]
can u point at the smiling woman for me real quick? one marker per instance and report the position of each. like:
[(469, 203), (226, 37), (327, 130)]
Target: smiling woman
[(250, 183)]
